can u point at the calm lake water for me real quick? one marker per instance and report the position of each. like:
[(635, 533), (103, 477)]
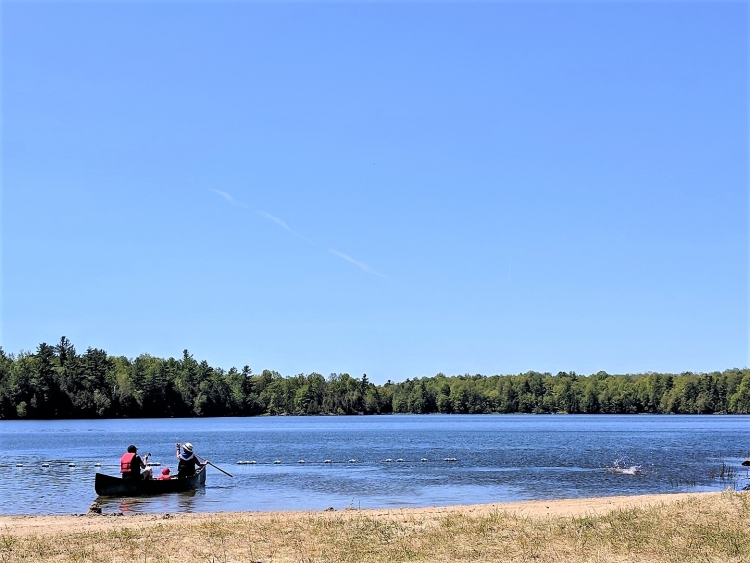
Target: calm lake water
[(497, 458)]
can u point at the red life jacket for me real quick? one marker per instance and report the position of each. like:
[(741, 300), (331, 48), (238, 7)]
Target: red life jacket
[(126, 463)]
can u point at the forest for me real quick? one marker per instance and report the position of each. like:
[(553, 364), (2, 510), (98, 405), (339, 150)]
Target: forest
[(56, 382)]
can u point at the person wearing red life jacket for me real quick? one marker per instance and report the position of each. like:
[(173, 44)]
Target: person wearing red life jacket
[(131, 464), (165, 476)]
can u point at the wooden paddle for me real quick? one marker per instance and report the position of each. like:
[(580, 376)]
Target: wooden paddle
[(214, 466)]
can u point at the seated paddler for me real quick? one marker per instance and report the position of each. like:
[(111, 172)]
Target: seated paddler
[(187, 461), (131, 464)]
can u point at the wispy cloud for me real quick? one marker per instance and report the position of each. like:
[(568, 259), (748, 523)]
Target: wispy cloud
[(281, 223), (362, 266), (278, 221), (228, 197)]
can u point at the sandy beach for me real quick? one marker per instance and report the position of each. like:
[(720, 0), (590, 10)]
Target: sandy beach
[(649, 528), (45, 525)]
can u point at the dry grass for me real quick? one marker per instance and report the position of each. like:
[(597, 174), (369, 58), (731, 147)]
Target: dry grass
[(699, 529)]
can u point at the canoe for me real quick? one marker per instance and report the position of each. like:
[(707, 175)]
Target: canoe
[(109, 486)]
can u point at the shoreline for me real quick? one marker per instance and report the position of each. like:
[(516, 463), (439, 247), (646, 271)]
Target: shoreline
[(42, 525), (684, 527)]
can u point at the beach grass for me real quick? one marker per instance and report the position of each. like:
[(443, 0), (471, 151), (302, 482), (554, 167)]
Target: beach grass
[(697, 529)]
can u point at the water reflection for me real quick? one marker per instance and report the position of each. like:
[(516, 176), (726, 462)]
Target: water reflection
[(126, 506), (187, 501)]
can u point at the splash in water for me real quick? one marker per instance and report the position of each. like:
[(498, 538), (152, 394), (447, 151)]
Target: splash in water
[(620, 466)]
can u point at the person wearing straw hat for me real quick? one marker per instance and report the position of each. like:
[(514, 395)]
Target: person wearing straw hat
[(187, 462)]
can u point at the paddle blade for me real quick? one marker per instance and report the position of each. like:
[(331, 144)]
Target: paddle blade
[(746, 462)]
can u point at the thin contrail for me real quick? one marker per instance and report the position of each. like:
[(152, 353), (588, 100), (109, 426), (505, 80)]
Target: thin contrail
[(284, 226), (278, 221), (228, 197), (364, 267), (281, 223)]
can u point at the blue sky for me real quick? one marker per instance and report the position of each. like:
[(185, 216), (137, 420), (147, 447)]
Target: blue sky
[(397, 189)]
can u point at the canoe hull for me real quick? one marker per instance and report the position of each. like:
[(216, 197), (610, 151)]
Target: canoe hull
[(109, 486)]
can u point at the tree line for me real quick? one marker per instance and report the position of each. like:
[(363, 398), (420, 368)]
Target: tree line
[(58, 382)]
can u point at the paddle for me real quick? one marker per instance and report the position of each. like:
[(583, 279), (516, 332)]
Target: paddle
[(177, 444), (214, 466), (746, 462)]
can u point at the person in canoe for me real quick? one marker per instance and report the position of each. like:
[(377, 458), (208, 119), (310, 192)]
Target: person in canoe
[(187, 462), (131, 464)]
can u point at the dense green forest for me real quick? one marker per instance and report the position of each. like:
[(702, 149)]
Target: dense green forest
[(58, 382)]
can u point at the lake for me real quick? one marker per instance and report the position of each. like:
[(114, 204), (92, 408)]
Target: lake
[(435, 460)]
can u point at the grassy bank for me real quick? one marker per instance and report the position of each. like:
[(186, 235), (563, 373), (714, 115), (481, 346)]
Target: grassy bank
[(700, 528)]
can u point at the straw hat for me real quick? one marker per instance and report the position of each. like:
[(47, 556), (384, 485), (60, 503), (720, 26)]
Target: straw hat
[(188, 447)]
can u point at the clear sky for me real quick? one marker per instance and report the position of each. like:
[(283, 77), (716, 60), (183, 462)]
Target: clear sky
[(397, 189)]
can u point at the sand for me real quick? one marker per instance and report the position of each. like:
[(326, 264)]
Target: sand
[(40, 525)]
